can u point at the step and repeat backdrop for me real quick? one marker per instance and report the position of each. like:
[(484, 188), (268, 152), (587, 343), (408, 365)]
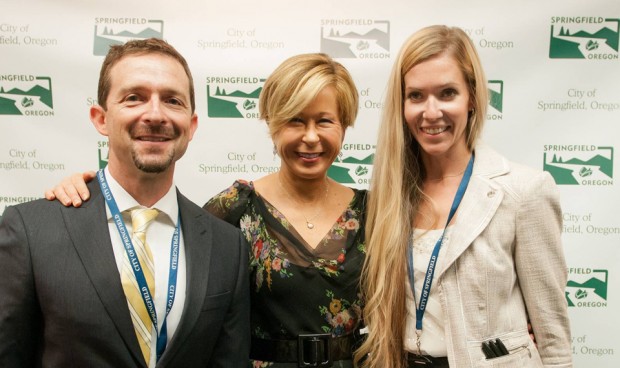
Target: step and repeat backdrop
[(553, 70)]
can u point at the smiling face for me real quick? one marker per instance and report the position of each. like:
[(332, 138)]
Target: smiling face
[(436, 106), (148, 120), (309, 143)]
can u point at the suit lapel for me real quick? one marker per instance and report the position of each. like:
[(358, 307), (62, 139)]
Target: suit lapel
[(197, 238), (89, 232), (479, 204)]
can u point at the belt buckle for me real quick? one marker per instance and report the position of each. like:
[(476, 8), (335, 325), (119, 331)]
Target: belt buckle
[(313, 350)]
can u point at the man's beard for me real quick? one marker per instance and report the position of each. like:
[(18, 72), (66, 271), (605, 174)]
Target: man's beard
[(156, 167)]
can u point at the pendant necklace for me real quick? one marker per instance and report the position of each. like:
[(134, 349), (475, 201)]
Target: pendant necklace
[(309, 221), (446, 176)]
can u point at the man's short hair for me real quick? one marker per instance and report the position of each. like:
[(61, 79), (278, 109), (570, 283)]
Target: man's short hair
[(139, 47)]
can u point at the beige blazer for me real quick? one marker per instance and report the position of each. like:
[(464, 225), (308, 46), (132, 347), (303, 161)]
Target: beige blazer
[(505, 261)]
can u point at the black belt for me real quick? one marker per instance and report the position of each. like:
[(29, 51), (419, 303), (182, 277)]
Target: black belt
[(309, 350), (427, 361)]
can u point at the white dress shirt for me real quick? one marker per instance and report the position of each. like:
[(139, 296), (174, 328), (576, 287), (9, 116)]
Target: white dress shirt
[(432, 340), (158, 237)]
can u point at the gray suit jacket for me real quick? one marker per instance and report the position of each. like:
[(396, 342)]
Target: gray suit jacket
[(62, 303), (505, 261)]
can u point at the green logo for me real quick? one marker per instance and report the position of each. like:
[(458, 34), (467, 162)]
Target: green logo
[(356, 38), (586, 287), (496, 94), (26, 95), (584, 38), (579, 164), (117, 31), (354, 165), (233, 97), (103, 150), (496, 99)]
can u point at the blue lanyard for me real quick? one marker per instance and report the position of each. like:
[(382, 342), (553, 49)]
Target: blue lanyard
[(430, 271), (149, 303)]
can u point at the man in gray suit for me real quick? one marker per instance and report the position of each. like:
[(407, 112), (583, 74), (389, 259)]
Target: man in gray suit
[(68, 273)]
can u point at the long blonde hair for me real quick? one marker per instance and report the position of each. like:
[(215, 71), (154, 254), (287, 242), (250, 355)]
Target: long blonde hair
[(395, 193)]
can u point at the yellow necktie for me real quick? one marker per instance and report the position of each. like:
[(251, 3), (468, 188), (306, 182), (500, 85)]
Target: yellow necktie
[(141, 218)]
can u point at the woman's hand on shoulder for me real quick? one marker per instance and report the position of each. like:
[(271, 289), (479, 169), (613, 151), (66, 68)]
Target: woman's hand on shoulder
[(72, 190)]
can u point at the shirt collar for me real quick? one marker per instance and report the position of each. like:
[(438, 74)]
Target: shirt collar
[(168, 204)]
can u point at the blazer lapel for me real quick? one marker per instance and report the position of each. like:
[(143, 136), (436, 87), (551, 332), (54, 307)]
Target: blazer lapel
[(479, 204), (197, 238), (88, 228)]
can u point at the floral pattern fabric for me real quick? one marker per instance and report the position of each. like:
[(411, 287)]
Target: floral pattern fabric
[(297, 289)]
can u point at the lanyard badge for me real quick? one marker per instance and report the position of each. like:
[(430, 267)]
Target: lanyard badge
[(430, 271)]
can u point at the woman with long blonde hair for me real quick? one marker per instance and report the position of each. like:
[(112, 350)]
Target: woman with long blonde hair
[(463, 246)]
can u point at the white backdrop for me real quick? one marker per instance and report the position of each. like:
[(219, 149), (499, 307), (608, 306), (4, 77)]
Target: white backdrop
[(553, 67)]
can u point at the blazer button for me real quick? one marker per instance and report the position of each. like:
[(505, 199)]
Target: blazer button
[(491, 194)]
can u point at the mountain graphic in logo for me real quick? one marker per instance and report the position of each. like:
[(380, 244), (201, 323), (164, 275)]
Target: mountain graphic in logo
[(585, 41), (107, 35), (233, 104), (347, 170), (496, 94), (356, 41), (594, 289), (18, 98), (573, 167)]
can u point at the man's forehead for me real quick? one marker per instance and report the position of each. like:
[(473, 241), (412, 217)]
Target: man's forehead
[(140, 67), (138, 59)]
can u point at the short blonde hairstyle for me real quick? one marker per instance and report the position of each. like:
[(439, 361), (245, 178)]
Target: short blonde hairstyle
[(296, 83)]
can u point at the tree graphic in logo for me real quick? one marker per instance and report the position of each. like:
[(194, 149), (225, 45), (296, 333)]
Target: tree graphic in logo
[(349, 41), (569, 169), (17, 98), (108, 35), (346, 170), (235, 104), (583, 40)]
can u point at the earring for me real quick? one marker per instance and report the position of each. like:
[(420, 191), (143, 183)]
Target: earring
[(471, 114), (275, 152)]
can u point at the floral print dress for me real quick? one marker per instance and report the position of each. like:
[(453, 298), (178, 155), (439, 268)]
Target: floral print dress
[(296, 289)]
